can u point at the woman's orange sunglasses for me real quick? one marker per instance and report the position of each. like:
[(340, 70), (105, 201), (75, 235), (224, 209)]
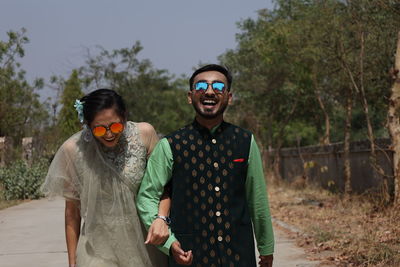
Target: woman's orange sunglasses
[(115, 127)]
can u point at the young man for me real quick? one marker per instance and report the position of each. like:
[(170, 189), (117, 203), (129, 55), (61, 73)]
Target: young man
[(217, 184)]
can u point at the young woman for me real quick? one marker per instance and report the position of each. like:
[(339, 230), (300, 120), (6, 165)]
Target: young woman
[(98, 171)]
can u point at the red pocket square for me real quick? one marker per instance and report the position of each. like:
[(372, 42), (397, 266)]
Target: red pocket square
[(238, 160)]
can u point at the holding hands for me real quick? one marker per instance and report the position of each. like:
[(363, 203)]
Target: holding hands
[(158, 233), (180, 256)]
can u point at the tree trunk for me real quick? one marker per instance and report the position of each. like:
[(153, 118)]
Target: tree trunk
[(326, 138), (280, 140), (277, 164), (394, 123), (347, 134), (364, 101), (379, 173)]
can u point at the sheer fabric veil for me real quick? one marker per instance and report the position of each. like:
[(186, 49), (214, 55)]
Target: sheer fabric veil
[(105, 181)]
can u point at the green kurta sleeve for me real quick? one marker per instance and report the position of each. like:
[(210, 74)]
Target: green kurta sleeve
[(158, 173), (256, 194)]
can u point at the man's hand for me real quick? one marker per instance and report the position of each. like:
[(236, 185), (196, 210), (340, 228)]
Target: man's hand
[(158, 233), (180, 256), (266, 261)]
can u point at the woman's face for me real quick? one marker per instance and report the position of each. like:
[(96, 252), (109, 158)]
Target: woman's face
[(106, 117)]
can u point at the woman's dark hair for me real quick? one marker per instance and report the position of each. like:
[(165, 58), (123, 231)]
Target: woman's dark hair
[(99, 100), (212, 67)]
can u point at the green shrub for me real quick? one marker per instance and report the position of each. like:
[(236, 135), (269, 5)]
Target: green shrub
[(19, 181)]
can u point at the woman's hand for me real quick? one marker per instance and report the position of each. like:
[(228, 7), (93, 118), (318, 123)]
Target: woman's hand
[(72, 228), (158, 233)]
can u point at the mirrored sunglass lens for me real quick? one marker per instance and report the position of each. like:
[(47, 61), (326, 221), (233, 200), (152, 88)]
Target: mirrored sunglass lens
[(218, 86), (201, 86), (116, 127), (99, 131)]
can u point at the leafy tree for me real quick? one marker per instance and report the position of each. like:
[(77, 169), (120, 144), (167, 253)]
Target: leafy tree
[(68, 119), (303, 72), (268, 91), (21, 113), (151, 95)]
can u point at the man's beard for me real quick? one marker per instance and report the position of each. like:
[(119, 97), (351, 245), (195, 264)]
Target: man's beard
[(210, 115)]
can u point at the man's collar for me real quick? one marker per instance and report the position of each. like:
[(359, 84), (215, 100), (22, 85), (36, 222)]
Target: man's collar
[(218, 128)]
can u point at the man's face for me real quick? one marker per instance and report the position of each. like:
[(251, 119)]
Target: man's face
[(209, 103)]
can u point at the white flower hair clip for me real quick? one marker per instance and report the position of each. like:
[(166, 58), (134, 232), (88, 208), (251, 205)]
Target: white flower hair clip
[(79, 108)]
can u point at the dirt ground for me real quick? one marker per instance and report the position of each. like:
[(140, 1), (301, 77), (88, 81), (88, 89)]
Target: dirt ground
[(355, 231)]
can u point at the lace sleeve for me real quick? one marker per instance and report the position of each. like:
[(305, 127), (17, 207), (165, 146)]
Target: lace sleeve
[(62, 177), (148, 136)]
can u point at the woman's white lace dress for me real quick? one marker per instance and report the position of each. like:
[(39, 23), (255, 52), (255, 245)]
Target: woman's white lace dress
[(105, 181)]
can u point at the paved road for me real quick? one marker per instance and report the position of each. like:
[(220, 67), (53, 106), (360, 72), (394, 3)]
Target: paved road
[(32, 234)]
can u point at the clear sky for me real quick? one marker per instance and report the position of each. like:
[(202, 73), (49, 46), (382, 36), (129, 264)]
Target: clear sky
[(176, 34)]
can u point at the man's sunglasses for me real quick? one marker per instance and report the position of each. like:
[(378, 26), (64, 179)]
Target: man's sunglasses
[(218, 87), (115, 127)]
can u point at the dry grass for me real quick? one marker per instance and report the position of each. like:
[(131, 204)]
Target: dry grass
[(344, 232)]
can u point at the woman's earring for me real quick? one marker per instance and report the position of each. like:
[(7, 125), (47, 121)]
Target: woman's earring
[(87, 134)]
